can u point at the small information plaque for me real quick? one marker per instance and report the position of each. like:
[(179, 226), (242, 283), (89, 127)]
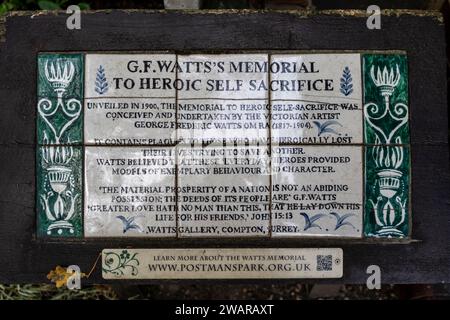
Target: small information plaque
[(222, 263)]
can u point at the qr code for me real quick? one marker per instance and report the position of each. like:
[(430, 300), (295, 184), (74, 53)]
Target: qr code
[(324, 263)]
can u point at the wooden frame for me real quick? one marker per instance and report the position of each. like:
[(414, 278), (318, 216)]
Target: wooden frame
[(426, 259)]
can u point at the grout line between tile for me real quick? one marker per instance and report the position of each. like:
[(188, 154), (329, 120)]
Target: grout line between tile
[(177, 222)]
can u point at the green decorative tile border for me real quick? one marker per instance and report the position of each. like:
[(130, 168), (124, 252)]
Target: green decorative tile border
[(386, 135), (59, 190), (60, 99), (387, 191)]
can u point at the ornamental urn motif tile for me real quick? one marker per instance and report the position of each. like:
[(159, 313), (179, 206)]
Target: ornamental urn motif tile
[(387, 154), (59, 191)]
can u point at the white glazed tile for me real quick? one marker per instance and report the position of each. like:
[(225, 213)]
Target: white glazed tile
[(129, 186), (317, 191), (223, 76), (223, 192), (316, 98), (223, 120), (130, 75), (129, 121)]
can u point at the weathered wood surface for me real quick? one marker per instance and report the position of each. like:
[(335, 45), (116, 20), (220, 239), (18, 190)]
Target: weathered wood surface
[(23, 258)]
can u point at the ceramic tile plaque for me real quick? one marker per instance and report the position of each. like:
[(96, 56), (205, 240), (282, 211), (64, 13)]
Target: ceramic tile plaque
[(130, 99), (223, 98), (132, 192), (222, 263), (230, 195), (247, 145), (317, 191), (316, 99)]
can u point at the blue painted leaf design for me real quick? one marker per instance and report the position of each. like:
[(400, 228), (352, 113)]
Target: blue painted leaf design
[(128, 223), (317, 124), (309, 220), (330, 122), (340, 220), (329, 130), (101, 83), (346, 82), (325, 127)]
